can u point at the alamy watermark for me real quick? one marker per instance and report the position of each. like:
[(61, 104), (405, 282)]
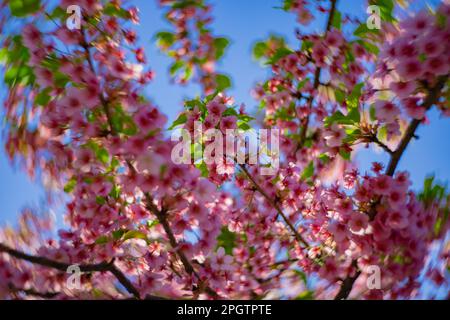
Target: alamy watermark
[(373, 280), (374, 19), (74, 280), (73, 22)]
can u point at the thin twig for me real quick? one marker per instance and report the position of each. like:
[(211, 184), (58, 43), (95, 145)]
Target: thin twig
[(275, 206), (61, 266)]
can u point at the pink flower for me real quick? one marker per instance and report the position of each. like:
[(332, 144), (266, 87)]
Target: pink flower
[(410, 69), (437, 66), (380, 231), (91, 6), (136, 248), (205, 190), (44, 77), (403, 89), (228, 123), (402, 180), (83, 158), (31, 37), (220, 261), (358, 221), (398, 219), (136, 145), (413, 109), (431, 46), (334, 38), (334, 136), (138, 212), (225, 168), (418, 24), (150, 162), (339, 231), (396, 198), (382, 185), (71, 103), (320, 51), (406, 49), (215, 109), (101, 187), (69, 36), (148, 119), (359, 50), (386, 111), (330, 270)]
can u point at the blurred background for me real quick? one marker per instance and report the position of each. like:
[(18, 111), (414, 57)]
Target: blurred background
[(244, 22)]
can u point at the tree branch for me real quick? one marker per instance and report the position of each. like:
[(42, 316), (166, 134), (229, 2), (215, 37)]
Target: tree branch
[(33, 292), (275, 206), (161, 216), (431, 99), (61, 266)]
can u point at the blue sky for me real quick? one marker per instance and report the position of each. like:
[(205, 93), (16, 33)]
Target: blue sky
[(243, 22)]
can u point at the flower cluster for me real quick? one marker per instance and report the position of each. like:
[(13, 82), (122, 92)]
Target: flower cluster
[(76, 117)]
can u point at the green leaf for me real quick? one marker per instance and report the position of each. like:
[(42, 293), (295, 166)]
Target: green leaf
[(386, 9), (220, 44), (203, 169), (115, 192), (227, 240), (305, 295), (345, 154), (354, 116), (337, 20), (230, 112), (103, 155), (58, 13), (223, 82), (369, 47), (114, 163), (19, 75), (362, 31), (340, 95), (100, 200), (22, 8), (244, 117), (340, 118), (114, 11), (324, 158), (70, 185), (152, 223), (61, 79), (287, 4), (355, 95), (117, 234), (259, 50), (279, 54), (4, 56), (43, 97), (165, 38), (308, 172), (176, 66), (244, 126), (302, 275), (135, 234), (372, 114), (382, 133), (102, 240), (182, 119)]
